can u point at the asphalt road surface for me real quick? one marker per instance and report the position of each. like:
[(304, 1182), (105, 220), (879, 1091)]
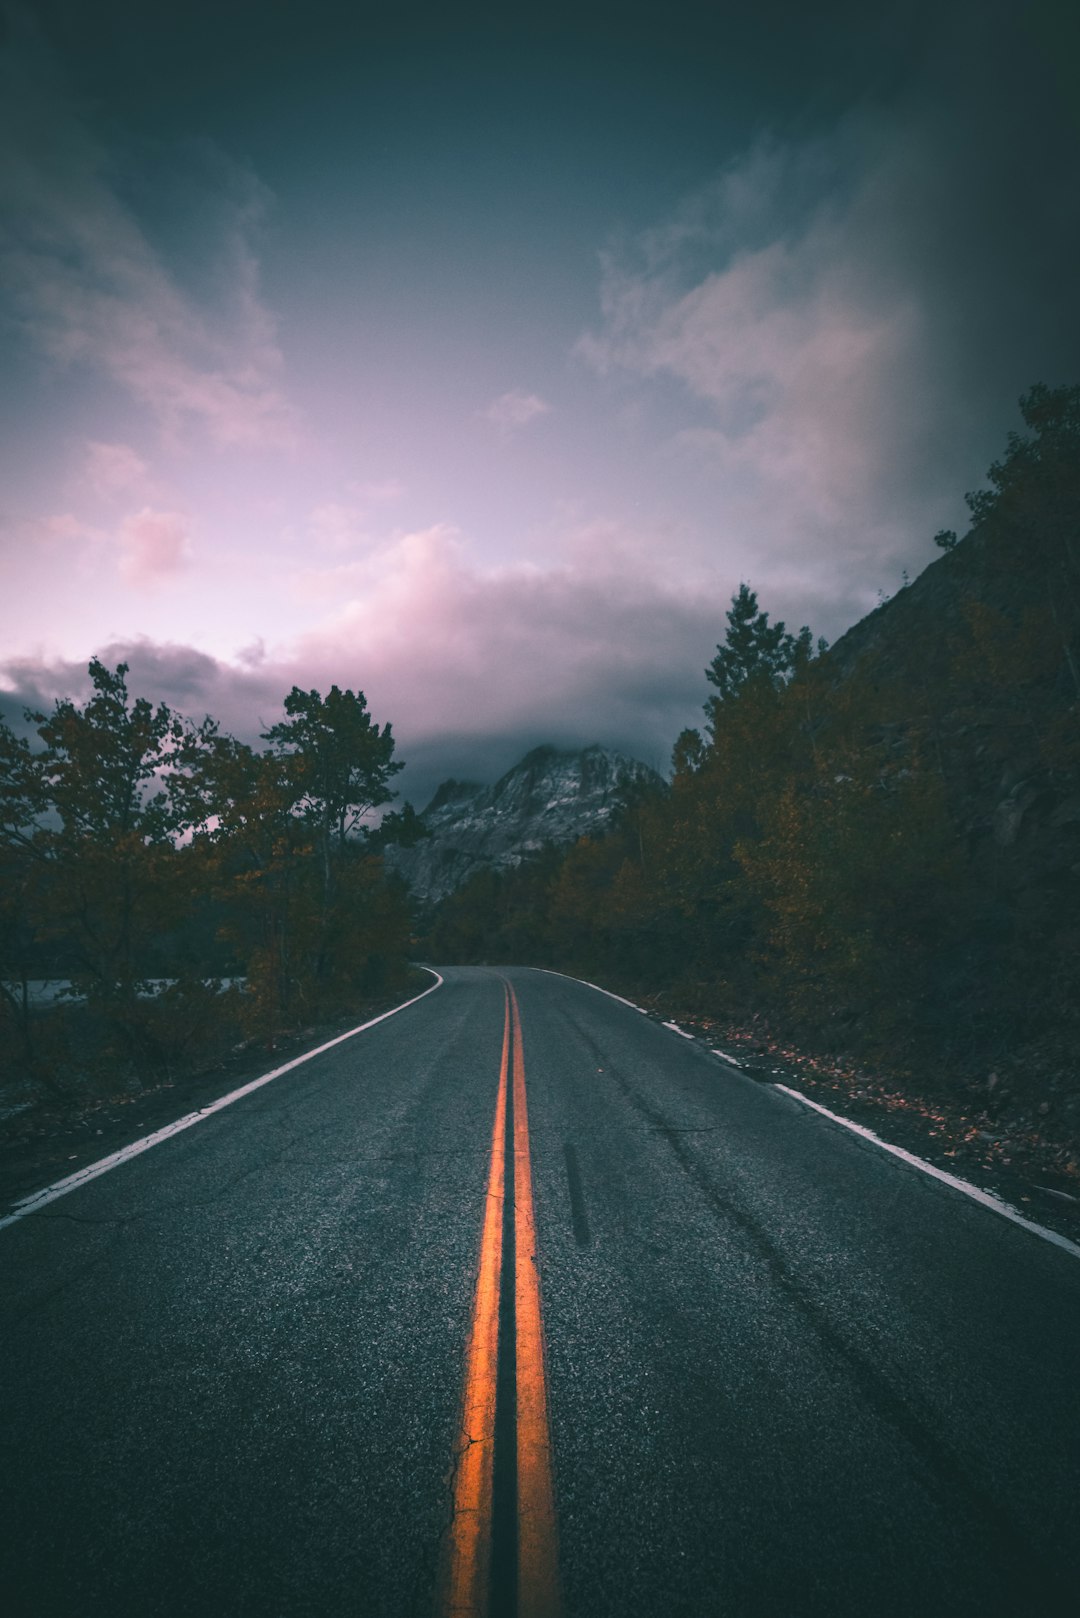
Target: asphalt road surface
[(284, 1363)]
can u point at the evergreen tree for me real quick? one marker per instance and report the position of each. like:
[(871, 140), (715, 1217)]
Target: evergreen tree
[(753, 649)]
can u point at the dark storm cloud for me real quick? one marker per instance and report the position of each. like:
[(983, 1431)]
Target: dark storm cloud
[(84, 281), (859, 308), (190, 681), (865, 227)]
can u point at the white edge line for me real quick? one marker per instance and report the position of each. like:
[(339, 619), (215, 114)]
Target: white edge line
[(987, 1198), (724, 1057), (39, 1199), (675, 1029), (551, 973)]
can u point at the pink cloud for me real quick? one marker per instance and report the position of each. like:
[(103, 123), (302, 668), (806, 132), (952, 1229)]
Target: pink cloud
[(472, 664), (379, 492), (334, 527), (66, 526), (582, 649), (153, 545)]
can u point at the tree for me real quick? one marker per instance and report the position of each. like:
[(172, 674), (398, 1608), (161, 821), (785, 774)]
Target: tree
[(256, 852), (753, 649), (106, 886), (143, 858), (1043, 464), (97, 775), (340, 764), (99, 761), (340, 761), (403, 828), (20, 803)]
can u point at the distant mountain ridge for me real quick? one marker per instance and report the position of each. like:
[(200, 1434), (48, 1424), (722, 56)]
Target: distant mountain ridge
[(550, 796)]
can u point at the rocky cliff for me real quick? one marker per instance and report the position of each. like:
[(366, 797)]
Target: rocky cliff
[(549, 797), (974, 646)]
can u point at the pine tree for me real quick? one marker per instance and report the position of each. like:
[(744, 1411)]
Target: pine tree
[(753, 649)]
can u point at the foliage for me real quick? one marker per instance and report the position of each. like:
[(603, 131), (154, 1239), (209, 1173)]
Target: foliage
[(878, 845), (838, 848), (340, 762), (753, 651), (144, 859)]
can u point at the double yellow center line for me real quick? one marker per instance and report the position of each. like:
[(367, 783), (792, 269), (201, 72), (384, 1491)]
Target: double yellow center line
[(500, 1555)]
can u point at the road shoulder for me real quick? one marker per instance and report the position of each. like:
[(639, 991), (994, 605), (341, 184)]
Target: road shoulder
[(48, 1144)]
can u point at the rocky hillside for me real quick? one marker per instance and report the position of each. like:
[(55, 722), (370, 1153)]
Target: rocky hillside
[(549, 797), (973, 656), (870, 859)]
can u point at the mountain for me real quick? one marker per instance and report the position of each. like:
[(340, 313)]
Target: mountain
[(976, 655), (549, 797)]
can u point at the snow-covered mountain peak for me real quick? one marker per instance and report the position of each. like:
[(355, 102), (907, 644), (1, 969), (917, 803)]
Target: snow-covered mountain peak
[(550, 796)]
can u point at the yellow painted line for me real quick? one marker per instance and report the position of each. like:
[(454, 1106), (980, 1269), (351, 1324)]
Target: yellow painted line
[(465, 1590), (538, 1583), (468, 1549)]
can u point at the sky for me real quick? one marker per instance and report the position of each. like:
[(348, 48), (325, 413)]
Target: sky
[(472, 356)]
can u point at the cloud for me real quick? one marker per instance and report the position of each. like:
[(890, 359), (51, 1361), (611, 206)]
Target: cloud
[(154, 546), (852, 316), (190, 681), (336, 527), (65, 525), (377, 493), (114, 469), (513, 410), (339, 526), (89, 287), (471, 664), (147, 547)]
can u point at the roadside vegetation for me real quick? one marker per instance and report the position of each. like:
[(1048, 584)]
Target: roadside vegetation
[(867, 857), (871, 852), (195, 895)]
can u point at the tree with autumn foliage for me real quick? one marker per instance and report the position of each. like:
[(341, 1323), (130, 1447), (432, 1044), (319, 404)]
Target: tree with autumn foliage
[(874, 846), (107, 837), (19, 861), (91, 824), (144, 858), (296, 869)]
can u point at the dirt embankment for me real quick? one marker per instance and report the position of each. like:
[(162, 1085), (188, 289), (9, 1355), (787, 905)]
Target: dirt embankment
[(1014, 1130)]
